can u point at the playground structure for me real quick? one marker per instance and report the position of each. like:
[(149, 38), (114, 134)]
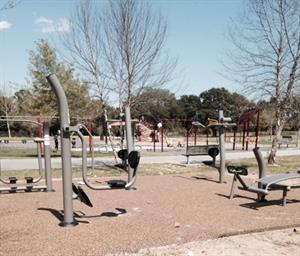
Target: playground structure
[(244, 120), (66, 129), (193, 132), (12, 185)]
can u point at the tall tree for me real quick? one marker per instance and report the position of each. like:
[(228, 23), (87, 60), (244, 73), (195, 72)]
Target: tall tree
[(266, 55), (134, 48), (216, 99), (43, 61), (188, 106), (158, 103), (83, 46), (8, 106), (9, 4)]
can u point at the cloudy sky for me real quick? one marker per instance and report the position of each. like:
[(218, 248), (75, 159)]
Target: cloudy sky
[(196, 31)]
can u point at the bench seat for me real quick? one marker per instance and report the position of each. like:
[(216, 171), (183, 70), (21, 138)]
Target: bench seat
[(198, 150)]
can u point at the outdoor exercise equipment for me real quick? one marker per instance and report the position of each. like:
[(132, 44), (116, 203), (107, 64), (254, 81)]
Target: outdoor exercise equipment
[(66, 129), (222, 123), (197, 150), (132, 158), (31, 184), (264, 184)]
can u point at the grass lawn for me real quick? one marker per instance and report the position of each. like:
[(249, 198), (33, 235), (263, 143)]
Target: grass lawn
[(287, 164), (32, 152)]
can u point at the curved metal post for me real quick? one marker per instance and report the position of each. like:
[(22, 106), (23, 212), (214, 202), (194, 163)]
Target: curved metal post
[(261, 170), (47, 157), (65, 150), (222, 149), (129, 139)]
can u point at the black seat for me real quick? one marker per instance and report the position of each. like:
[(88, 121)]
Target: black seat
[(213, 152), (123, 154), (134, 159)]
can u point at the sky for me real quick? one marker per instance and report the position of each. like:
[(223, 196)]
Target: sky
[(196, 36)]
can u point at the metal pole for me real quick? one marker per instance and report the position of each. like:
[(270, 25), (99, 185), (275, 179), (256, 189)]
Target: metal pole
[(187, 137), (222, 148), (298, 138), (65, 151), (261, 168), (47, 157), (195, 135), (90, 127), (234, 138), (162, 136), (244, 132), (247, 141), (129, 138), (154, 135), (39, 153), (257, 129), (40, 132)]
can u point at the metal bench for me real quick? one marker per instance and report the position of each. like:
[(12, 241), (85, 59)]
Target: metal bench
[(286, 140), (211, 150), (264, 185)]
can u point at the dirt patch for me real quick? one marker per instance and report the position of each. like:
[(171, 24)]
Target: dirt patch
[(164, 209)]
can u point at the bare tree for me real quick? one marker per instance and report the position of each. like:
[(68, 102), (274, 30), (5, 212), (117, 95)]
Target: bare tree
[(83, 47), (84, 51), (266, 54), (8, 105), (10, 4), (118, 48), (134, 48)]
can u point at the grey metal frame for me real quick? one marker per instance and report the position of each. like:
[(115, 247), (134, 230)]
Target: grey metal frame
[(131, 178), (265, 184), (65, 151), (47, 160), (66, 129)]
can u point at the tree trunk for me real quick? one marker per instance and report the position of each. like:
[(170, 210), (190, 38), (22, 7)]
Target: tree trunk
[(8, 125), (277, 137), (109, 136)]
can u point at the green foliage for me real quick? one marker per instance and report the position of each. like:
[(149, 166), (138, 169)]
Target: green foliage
[(157, 103), (188, 106), (216, 99), (43, 61)]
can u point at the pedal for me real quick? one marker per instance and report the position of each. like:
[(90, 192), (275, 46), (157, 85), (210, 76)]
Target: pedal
[(75, 190), (81, 195), (13, 182), (117, 183), (29, 181)]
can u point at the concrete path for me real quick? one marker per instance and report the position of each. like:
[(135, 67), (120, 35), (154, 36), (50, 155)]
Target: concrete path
[(177, 158)]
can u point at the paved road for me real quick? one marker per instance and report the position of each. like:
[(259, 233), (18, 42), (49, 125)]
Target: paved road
[(26, 163)]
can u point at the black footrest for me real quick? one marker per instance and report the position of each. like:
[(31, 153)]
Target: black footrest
[(123, 154), (81, 195), (12, 180), (241, 170), (29, 179), (117, 183)]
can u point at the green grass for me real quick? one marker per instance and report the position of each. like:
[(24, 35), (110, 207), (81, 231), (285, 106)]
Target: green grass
[(31, 152), (287, 164)]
